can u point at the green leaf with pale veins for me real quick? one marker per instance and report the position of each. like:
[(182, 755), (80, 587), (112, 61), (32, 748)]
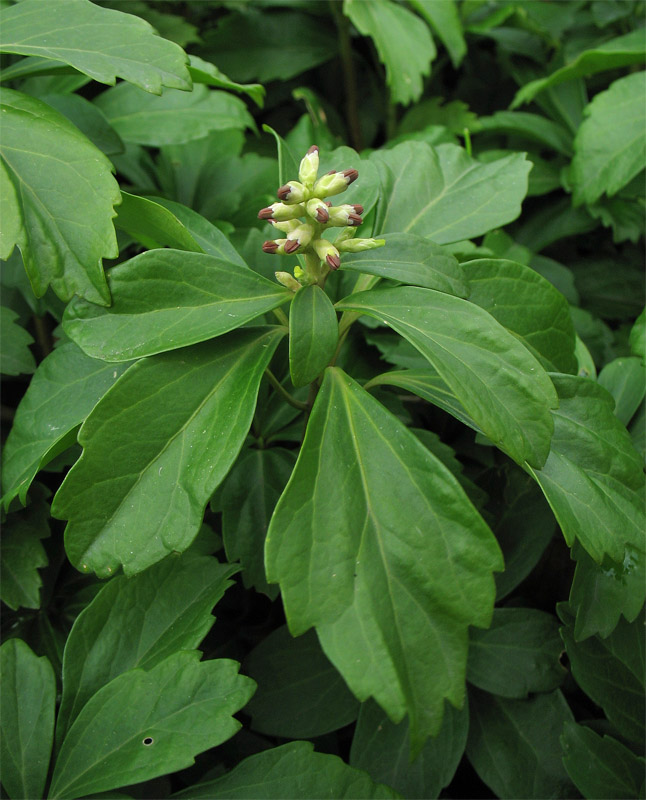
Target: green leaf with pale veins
[(156, 447), (499, 383), (403, 41), (165, 299), (610, 147), (292, 770), (313, 334), (413, 260), (527, 305), (99, 42), (148, 723), (443, 194), (63, 391), (138, 622), (593, 477), (28, 698), (15, 356), (66, 194), (375, 543), (10, 214)]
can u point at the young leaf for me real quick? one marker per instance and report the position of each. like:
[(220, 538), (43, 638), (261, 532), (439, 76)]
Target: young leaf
[(165, 299), (514, 745), (63, 391), (139, 490), (443, 194), (99, 42), (601, 767), (403, 41), (625, 378), (517, 655), (148, 723), (68, 231), (381, 748), (292, 770), (300, 695), (610, 148), (17, 358), (313, 334), (137, 622), (395, 557), (203, 72), (152, 225), (500, 384)]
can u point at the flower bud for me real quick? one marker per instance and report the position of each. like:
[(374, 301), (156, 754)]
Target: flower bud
[(276, 247), (309, 166), (327, 252), (287, 226), (281, 211), (288, 281), (334, 182), (317, 209), (346, 214), (359, 245), (293, 192), (302, 235)]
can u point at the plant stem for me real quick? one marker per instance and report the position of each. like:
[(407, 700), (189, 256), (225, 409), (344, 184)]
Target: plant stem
[(42, 335), (351, 94), (282, 317), (287, 397)]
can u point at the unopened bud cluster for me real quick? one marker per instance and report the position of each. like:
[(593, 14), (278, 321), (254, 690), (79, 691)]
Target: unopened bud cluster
[(303, 214)]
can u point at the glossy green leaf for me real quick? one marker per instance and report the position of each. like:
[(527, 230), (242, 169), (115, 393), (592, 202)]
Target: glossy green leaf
[(375, 543), (249, 496), (444, 19), (137, 622), (88, 119), (625, 379), (152, 225), (139, 490), (287, 162), (611, 672), (292, 770), (402, 40), (610, 148), (165, 299), (498, 382), (175, 117), (593, 476), (99, 42), (63, 391), (517, 655), (601, 768), (15, 356), (382, 749), (313, 334), (300, 695), (68, 231), (533, 127), (528, 306), (619, 52), (638, 337), (10, 212), (413, 260), (204, 72), (148, 723), (443, 194), (28, 698)]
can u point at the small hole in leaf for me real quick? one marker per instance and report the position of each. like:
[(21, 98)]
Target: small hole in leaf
[(148, 741)]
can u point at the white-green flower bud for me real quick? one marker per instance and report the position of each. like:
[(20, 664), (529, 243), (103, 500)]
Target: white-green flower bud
[(293, 192), (309, 166), (302, 234), (334, 183), (281, 211), (327, 252), (287, 226), (359, 245), (346, 214), (317, 209), (288, 281)]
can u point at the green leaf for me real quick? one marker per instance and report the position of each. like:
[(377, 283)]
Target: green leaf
[(611, 672), (139, 490), (156, 722), (601, 767), (533, 127), (381, 748), (152, 225), (300, 695), (66, 232), (609, 147), (138, 622), (99, 42), (443, 194), (23, 554), (444, 19), (88, 119), (514, 745), (203, 72), (28, 697), (620, 52), (528, 306), (15, 357), (249, 496), (10, 213), (292, 770), (413, 260), (165, 299), (287, 163), (638, 337), (174, 118), (625, 379), (313, 334), (375, 543), (403, 42), (593, 476), (498, 382), (556, 220), (517, 655), (63, 391)]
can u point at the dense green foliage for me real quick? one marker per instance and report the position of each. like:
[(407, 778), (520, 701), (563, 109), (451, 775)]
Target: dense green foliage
[(405, 469)]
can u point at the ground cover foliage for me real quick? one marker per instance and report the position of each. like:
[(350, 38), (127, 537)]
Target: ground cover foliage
[(372, 526)]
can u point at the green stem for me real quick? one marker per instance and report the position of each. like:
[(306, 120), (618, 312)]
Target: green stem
[(287, 397), (282, 317), (351, 94), (43, 337), (467, 141)]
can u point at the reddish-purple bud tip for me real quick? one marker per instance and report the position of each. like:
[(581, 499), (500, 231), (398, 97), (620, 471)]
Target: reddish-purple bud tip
[(284, 192), (291, 245), (328, 203), (334, 262), (331, 172), (265, 213), (350, 175), (313, 149), (269, 247), (322, 215), (357, 208), (354, 220)]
